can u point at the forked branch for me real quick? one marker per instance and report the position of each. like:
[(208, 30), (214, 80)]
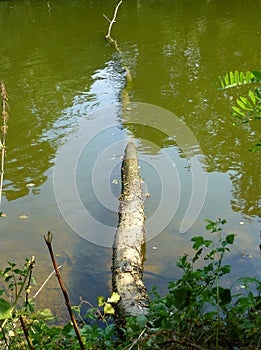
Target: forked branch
[(111, 22)]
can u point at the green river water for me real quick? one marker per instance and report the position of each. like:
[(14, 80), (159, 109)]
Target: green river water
[(67, 134)]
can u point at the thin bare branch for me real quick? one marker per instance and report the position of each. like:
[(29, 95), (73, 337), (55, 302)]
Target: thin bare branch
[(48, 240), (113, 20), (47, 279), (106, 18), (108, 35), (26, 333), (137, 340)]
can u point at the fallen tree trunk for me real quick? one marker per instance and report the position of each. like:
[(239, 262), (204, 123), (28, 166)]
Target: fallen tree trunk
[(128, 247)]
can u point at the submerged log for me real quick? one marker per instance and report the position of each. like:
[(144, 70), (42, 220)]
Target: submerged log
[(129, 243)]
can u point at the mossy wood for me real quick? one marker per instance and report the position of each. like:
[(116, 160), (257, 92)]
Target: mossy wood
[(128, 247)]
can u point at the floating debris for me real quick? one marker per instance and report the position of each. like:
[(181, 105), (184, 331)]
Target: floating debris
[(244, 255), (23, 217)]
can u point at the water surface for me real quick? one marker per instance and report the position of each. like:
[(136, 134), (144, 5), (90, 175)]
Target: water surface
[(59, 70)]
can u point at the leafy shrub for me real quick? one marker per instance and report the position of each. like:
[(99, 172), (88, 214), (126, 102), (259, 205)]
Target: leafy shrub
[(198, 312)]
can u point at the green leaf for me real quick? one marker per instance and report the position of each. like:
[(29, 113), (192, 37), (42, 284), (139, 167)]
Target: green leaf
[(211, 225), (246, 102), (5, 309), (181, 297), (238, 111), (257, 75), (225, 296), (236, 77), (248, 77), (67, 328), (222, 83), (115, 297), (252, 96), (46, 314), (11, 264), (197, 255), (33, 281), (242, 104), (241, 77), (101, 300), (199, 240), (226, 79), (230, 238), (225, 269), (207, 242), (231, 78), (108, 309), (250, 298), (76, 308), (141, 321)]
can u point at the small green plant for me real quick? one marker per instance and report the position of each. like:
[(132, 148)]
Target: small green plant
[(199, 310), (23, 327), (98, 329)]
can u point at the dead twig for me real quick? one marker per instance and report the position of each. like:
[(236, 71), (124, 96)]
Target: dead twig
[(128, 76), (138, 339), (2, 142), (48, 240), (47, 279), (111, 22)]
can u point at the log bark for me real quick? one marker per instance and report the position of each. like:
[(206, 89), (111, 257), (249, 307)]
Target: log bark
[(129, 243)]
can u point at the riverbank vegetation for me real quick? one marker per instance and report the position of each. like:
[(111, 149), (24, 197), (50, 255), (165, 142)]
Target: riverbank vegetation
[(202, 309)]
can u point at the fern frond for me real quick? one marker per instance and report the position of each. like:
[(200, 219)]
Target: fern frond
[(248, 108), (233, 79)]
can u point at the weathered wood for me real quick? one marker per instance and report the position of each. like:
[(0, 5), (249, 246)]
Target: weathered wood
[(128, 247)]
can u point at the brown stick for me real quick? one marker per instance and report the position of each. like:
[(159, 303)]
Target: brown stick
[(26, 333), (4, 130), (48, 240)]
